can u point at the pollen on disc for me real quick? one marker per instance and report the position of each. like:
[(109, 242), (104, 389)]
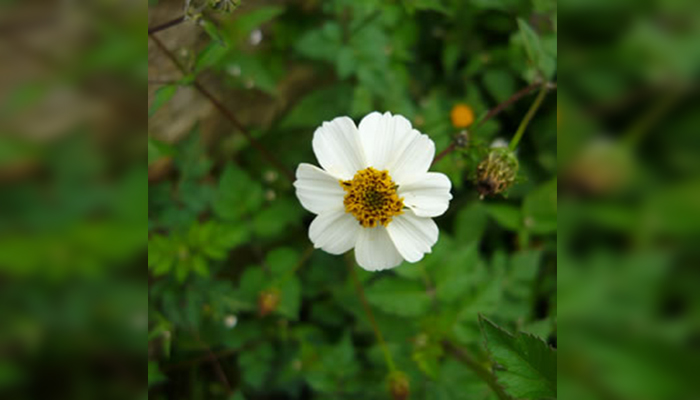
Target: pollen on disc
[(371, 197)]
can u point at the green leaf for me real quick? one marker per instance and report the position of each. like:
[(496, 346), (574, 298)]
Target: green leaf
[(213, 31), (232, 201), (246, 23), (255, 365), (455, 273), (158, 149), (290, 298), (320, 105), (529, 364), (506, 215), (540, 209), (274, 219), (541, 55), (161, 96), (471, 222), (399, 296), (154, 374), (210, 56), (322, 43), (282, 260), (500, 83)]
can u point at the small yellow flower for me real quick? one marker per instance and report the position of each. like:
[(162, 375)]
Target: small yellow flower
[(462, 116)]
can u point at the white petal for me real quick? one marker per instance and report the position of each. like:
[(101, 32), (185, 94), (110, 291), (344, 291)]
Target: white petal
[(338, 149), (335, 231), (317, 190), (414, 155), (381, 135), (413, 236), (374, 250), (428, 195)]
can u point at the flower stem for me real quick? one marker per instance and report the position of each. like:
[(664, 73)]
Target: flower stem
[(463, 356), (528, 117), (370, 316)]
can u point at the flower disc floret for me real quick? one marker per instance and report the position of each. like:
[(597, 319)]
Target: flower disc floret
[(371, 197)]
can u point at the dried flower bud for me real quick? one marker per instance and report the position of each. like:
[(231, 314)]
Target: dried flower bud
[(497, 172), (462, 139), (225, 6), (399, 387), (268, 301)]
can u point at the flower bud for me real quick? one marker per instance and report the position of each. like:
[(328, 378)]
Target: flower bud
[(399, 386), (226, 6), (497, 172), (268, 301)]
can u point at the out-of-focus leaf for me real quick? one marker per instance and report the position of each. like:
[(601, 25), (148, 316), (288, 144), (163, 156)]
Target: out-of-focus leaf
[(158, 149), (246, 22), (232, 202), (529, 364), (210, 56), (398, 296), (321, 105), (540, 209), (506, 215), (161, 96), (256, 365), (154, 374)]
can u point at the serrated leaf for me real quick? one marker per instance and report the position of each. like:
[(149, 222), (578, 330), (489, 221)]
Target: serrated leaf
[(232, 202), (398, 296), (161, 96), (529, 364)]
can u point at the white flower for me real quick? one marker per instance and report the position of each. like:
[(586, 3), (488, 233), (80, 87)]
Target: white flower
[(374, 193)]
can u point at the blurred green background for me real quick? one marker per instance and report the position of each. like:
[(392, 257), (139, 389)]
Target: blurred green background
[(597, 234)]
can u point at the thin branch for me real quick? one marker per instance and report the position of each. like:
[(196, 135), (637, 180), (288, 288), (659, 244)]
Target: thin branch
[(161, 82), (166, 25), (463, 356), (226, 113), (497, 110), (449, 149), (215, 362)]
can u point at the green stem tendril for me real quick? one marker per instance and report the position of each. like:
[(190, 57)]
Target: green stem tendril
[(370, 316), (528, 117)]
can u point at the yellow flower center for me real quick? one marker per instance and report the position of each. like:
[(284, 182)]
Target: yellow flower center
[(371, 197)]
